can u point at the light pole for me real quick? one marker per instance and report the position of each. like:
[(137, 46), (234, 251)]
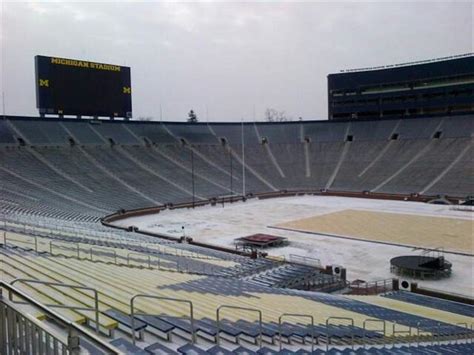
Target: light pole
[(192, 173), (231, 177)]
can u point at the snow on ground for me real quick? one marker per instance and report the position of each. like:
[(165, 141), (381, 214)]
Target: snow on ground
[(368, 261)]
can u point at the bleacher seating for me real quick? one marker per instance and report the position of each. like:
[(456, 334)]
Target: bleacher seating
[(69, 174), (134, 174), (297, 276), (432, 302), (118, 281)]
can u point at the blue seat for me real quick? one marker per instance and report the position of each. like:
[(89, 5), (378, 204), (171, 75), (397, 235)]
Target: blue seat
[(160, 349), (223, 327), (127, 347), (288, 329), (268, 351), (266, 330), (157, 323), (251, 331), (190, 349), (243, 351), (218, 350), (302, 352), (125, 319), (184, 324), (432, 302)]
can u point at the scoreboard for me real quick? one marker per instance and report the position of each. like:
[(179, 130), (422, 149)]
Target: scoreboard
[(82, 88)]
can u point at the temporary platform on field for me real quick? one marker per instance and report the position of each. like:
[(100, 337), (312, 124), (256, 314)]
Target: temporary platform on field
[(421, 266), (260, 241)]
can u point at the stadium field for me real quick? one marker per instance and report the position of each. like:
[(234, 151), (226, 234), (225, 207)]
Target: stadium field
[(449, 234), (363, 257)]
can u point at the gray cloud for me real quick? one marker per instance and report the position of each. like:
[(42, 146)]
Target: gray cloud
[(226, 57)]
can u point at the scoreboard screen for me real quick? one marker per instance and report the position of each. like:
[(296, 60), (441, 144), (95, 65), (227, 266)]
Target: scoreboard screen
[(77, 87)]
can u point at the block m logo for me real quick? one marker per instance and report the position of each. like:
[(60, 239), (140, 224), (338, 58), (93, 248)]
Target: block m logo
[(127, 90), (44, 82)]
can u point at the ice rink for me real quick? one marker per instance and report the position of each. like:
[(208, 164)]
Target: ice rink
[(365, 260)]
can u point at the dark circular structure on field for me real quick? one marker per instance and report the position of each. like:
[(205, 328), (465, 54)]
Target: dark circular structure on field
[(421, 267)]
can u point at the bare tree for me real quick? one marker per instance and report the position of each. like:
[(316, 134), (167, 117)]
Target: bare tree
[(272, 115)]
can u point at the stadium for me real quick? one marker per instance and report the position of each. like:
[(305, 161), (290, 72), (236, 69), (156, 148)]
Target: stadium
[(347, 236)]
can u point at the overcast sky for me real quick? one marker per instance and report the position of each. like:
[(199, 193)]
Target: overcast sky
[(226, 60)]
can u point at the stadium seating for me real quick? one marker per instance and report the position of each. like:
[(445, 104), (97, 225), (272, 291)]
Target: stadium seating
[(299, 156), (59, 177), (453, 307), (118, 280), (297, 276)]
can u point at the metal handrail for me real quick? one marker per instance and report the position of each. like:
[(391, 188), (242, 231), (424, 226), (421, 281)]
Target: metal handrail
[(394, 332), (372, 320), (35, 243), (12, 341), (51, 244), (133, 313), (73, 329), (243, 309), (465, 326), (47, 283), (295, 257), (439, 333), (327, 330), (418, 333), (148, 256), (300, 316), (433, 335), (104, 250)]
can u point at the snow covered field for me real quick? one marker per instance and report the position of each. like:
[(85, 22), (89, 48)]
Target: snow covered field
[(368, 261)]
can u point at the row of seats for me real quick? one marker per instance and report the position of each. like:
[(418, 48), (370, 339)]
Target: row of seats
[(92, 180), (432, 302), (298, 276), (56, 132), (232, 287), (98, 181), (190, 349), (118, 282)]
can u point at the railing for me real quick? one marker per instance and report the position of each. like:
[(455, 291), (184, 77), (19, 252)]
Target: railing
[(51, 245), (104, 251), (472, 333), (276, 258), (22, 334), (158, 248), (434, 60), (147, 256), (406, 332), (329, 335), (218, 319), (372, 288), (71, 248), (74, 287), (464, 325), (305, 260), (373, 320), (35, 242), (298, 316)]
